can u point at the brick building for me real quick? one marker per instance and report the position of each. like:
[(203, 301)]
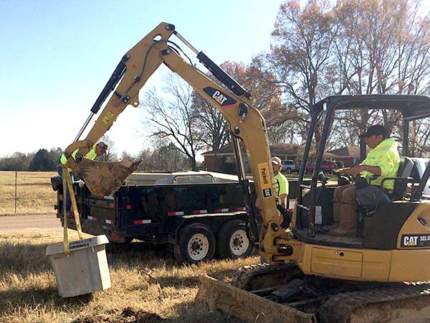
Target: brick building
[(224, 159)]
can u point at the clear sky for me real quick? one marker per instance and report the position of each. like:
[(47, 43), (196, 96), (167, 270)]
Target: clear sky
[(56, 56)]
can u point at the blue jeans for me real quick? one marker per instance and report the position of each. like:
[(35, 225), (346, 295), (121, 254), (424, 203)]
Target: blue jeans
[(66, 199)]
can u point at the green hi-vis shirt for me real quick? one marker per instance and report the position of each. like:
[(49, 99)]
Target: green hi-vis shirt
[(90, 155), (386, 156), (281, 184)]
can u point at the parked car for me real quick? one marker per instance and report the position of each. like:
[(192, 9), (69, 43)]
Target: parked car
[(288, 166), (326, 166)]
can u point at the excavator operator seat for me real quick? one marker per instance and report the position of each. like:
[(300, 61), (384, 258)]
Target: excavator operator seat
[(403, 178)]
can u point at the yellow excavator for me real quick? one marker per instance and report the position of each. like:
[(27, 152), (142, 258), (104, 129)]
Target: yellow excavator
[(308, 275)]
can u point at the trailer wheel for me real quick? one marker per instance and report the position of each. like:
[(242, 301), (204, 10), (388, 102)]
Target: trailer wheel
[(233, 240), (196, 243)]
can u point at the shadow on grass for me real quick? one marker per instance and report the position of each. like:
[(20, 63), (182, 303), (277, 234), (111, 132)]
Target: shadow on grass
[(139, 254), (35, 298), (23, 259)]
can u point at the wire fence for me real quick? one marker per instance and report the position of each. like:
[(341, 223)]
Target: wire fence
[(26, 193)]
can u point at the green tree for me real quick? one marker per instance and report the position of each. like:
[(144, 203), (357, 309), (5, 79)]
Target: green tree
[(42, 161)]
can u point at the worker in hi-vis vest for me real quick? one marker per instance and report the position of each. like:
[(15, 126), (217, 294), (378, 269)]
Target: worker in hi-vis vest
[(280, 182), (97, 150)]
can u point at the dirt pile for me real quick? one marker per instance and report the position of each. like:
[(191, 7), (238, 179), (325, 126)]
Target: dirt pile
[(128, 315)]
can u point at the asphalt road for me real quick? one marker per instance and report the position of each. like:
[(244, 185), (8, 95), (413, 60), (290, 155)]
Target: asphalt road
[(21, 222)]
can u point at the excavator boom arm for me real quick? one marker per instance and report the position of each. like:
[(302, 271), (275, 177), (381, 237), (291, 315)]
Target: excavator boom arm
[(231, 100), (131, 74)]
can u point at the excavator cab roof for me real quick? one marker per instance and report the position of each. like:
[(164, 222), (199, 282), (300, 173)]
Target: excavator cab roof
[(412, 107)]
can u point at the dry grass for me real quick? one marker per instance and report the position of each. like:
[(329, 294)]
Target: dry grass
[(33, 191), (142, 280)]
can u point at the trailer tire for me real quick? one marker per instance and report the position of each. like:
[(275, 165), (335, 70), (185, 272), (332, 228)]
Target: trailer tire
[(234, 241), (196, 243)]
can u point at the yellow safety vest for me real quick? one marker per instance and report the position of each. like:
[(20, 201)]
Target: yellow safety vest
[(89, 155), (386, 157)]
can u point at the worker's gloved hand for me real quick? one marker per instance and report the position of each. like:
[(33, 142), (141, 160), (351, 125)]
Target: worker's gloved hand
[(81, 183)]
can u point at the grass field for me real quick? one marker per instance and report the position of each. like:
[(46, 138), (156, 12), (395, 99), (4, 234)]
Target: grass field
[(147, 286), (33, 193)]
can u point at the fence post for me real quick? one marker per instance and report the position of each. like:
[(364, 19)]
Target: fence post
[(16, 185)]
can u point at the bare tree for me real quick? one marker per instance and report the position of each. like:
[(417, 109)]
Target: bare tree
[(382, 48), (175, 118), (166, 158), (266, 97), (213, 127), (301, 53), (352, 47)]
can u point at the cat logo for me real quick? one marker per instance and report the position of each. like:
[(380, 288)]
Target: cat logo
[(410, 241), (219, 97), (223, 99)]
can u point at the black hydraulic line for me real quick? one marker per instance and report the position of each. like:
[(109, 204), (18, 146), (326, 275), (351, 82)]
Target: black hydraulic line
[(320, 153), (246, 188), (250, 201), (110, 85), (405, 137), (239, 160), (222, 76), (308, 143)]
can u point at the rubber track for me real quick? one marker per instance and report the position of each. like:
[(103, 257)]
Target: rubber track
[(338, 308), (245, 274)]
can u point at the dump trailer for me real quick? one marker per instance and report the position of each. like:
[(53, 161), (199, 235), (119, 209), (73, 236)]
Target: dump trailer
[(200, 214)]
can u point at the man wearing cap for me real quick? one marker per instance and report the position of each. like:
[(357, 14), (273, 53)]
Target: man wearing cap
[(280, 182), (382, 161), (94, 153)]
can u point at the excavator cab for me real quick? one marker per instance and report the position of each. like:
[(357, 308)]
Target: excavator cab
[(314, 211), (378, 274)]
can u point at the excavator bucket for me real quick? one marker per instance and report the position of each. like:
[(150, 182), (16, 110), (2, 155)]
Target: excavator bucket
[(246, 306), (104, 178)]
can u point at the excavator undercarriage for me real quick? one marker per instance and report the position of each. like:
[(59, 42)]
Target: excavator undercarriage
[(281, 293)]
